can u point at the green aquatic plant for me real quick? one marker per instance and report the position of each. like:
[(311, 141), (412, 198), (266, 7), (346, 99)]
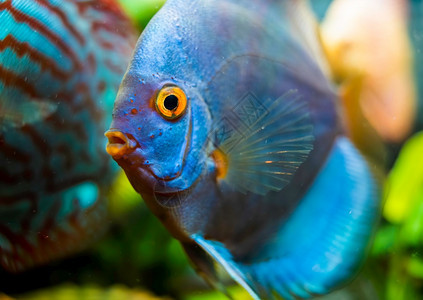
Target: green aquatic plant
[(89, 292), (398, 247), (141, 11)]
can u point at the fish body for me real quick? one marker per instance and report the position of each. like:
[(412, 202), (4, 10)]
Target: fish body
[(61, 63), (228, 127)]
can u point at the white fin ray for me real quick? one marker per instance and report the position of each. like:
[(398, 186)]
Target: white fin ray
[(25, 112)]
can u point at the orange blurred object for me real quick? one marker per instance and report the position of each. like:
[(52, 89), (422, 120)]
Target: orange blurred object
[(369, 40)]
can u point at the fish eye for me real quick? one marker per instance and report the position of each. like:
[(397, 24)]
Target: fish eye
[(171, 102)]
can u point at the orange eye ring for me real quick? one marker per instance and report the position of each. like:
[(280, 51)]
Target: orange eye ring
[(171, 102)]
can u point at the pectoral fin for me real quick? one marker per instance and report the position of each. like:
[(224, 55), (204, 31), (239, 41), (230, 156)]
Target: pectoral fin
[(27, 112), (265, 157)]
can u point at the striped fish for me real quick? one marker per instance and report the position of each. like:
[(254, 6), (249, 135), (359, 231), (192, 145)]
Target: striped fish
[(61, 62)]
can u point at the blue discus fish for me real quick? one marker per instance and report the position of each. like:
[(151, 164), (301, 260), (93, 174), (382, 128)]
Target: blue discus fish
[(227, 126), (61, 62)]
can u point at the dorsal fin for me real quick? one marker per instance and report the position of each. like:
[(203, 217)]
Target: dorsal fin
[(306, 29)]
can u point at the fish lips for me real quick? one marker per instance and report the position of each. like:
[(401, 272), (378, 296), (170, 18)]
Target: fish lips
[(147, 175)]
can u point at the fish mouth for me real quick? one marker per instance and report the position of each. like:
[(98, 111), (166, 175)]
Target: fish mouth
[(128, 153), (119, 144), (124, 149), (125, 152)]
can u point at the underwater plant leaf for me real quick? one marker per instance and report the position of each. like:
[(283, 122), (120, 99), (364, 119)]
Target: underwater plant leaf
[(384, 240), (141, 11), (412, 228), (122, 197), (405, 181), (399, 285), (415, 267), (90, 292), (236, 292)]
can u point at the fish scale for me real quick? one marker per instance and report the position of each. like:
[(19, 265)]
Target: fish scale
[(61, 62)]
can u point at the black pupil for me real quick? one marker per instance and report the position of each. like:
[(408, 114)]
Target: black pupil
[(171, 102)]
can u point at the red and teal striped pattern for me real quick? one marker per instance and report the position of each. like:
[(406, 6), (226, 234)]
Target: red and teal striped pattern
[(61, 62)]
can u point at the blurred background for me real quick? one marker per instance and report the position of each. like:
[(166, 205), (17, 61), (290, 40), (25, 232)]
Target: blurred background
[(137, 258)]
